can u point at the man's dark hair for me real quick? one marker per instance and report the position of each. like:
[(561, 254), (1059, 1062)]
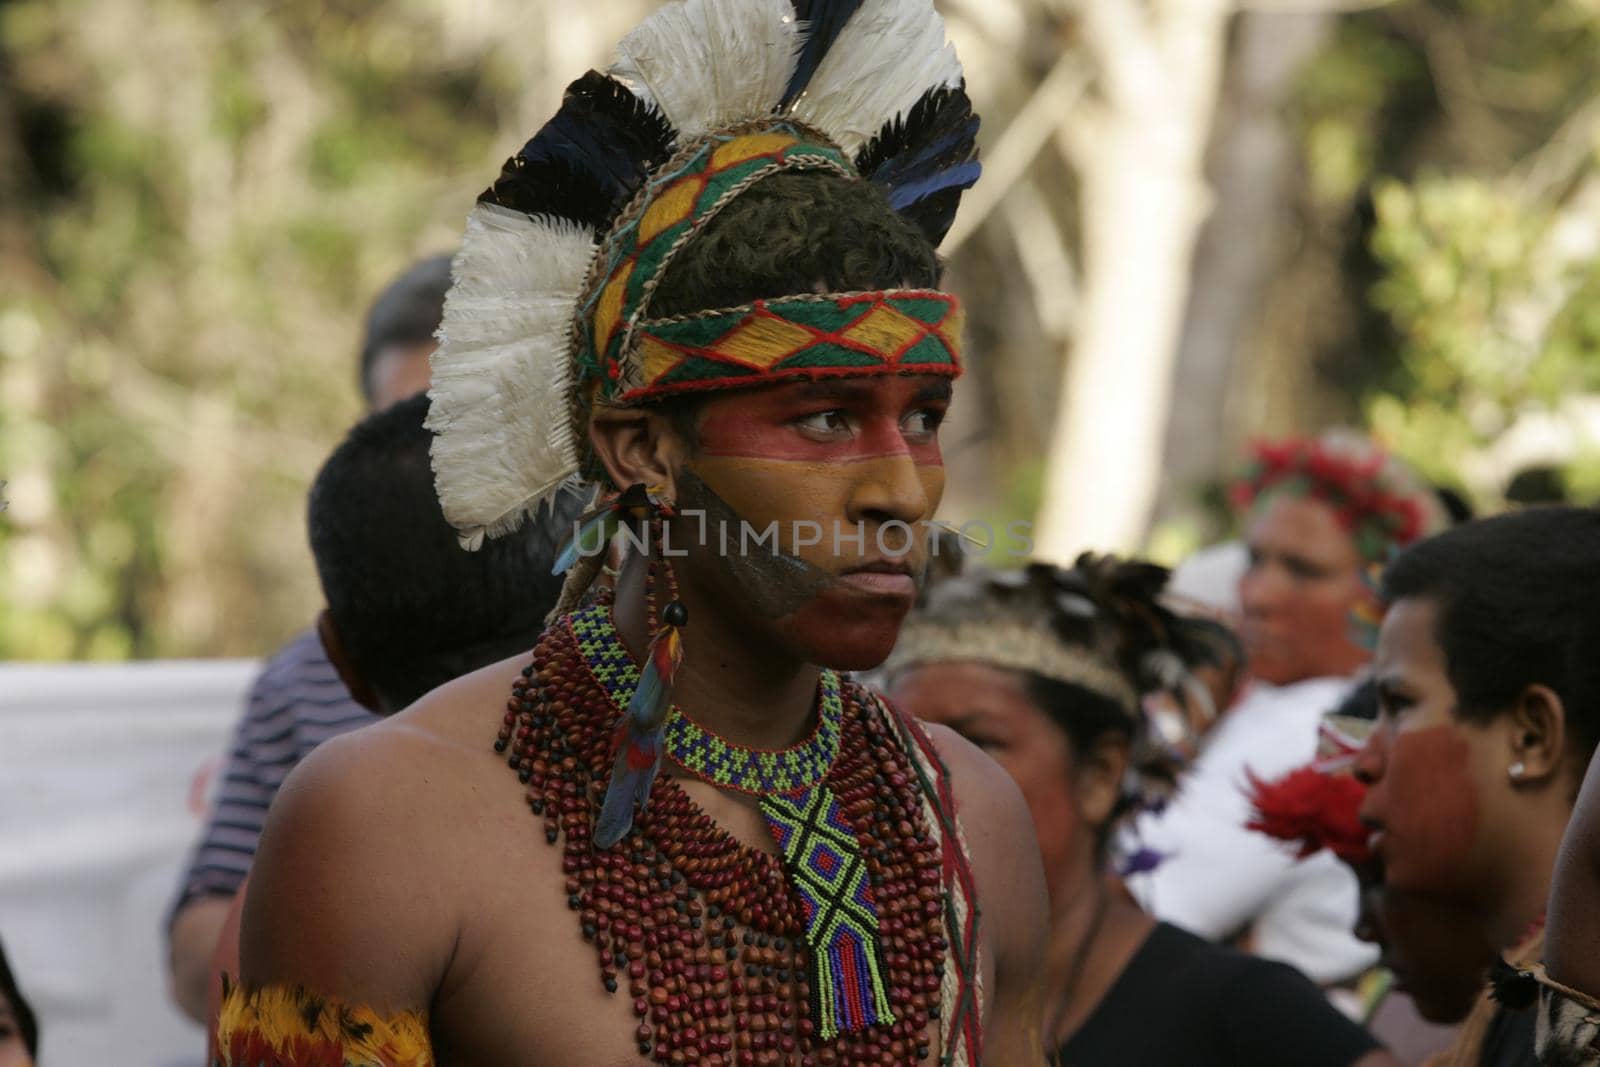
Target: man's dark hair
[(412, 607), (788, 234), (1516, 603), (27, 1024), (407, 312)]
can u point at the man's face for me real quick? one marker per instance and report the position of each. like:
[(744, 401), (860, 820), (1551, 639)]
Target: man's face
[(850, 472), (1430, 776), (398, 372), (1299, 593)]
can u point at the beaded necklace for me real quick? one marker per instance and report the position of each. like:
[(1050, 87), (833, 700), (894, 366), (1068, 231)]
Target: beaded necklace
[(713, 934)]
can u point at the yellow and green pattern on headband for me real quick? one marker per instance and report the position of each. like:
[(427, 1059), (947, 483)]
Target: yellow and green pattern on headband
[(899, 331), (673, 207)]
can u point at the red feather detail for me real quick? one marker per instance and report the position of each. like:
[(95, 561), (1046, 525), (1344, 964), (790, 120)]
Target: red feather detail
[(639, 757), (1314, 810), (666, 652)]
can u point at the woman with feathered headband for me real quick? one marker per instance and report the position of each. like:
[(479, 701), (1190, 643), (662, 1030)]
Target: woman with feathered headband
[(706, 292), (1062, 675)]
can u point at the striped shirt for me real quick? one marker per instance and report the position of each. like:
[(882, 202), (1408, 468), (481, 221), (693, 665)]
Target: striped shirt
[(296, 703)]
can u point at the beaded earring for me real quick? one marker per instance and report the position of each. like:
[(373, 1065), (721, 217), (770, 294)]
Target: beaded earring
[(638, 738)]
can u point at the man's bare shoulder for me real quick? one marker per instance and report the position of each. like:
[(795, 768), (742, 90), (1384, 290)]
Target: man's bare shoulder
[(351, 833), (1003, 847)]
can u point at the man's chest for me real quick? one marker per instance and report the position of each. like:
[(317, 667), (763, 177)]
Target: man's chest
[(537, 980)]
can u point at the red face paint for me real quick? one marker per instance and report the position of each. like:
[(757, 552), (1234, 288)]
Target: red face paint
[(834, 421), (848, 472), (1427, 804)]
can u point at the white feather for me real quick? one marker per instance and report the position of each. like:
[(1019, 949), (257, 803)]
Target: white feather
[(709, 64), (887, 56), (502, 375)]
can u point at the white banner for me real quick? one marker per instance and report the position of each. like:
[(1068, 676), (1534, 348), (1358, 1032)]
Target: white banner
[(103, 772)]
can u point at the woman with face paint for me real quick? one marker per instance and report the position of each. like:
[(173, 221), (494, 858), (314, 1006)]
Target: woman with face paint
[(1489, 711), (1053, 672), (1318, 515)]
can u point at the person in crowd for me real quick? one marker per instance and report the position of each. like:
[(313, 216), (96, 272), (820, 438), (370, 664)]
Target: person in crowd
[(1489, 696), (1319, 515), (1428, 975), (298, 700), (19, 1031), (675, 832), (407, 608), (1051, 671), (1569, 997)]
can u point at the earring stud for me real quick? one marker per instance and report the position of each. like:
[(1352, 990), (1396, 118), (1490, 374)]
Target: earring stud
[(1517, 770)]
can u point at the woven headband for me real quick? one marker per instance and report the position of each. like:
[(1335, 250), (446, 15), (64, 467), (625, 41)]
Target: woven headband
[(1011, 646)]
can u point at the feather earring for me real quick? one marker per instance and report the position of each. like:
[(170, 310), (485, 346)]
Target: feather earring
[(639, 734)]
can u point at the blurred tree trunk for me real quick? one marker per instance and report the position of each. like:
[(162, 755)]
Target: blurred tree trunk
[(1139, 151), (1240, 246)]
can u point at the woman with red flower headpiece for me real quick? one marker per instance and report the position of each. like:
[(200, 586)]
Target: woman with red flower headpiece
[(1319, 515)]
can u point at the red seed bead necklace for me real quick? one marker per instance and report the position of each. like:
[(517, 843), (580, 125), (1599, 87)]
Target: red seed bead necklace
[(701, 930)]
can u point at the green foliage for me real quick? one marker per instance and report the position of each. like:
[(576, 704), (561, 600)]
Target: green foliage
[(1449, 144), (198, 201), (1496, 322)]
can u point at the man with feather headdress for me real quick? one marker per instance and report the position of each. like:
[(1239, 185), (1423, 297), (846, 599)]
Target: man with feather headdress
[(707, 289)]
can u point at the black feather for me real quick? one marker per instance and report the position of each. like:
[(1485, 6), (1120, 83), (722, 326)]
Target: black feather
[(925, 158), (587, 162), (824, 20), (1513, 987), (935, 214)]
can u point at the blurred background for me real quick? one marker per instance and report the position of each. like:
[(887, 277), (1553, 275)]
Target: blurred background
[(1200, 221)]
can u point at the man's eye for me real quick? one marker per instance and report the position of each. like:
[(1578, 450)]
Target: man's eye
[(925, 421), (824, 422)]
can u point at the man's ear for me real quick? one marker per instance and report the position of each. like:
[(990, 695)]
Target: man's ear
[(637, 446), (349, 673), (1538, 722)]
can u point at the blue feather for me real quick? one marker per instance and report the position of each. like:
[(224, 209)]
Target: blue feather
[(629, 785), (590, 539), (824, 21), (925, 158), (961, 176), (647, 709)]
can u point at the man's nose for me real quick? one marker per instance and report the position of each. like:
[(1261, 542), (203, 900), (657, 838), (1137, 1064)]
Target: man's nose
[(1371, 760), (889, 488)]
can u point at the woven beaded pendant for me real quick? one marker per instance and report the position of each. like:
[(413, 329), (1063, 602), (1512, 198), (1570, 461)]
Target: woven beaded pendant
[(821, 857)]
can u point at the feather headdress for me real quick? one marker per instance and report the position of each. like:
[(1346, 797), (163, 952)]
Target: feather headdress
[(549, 313)]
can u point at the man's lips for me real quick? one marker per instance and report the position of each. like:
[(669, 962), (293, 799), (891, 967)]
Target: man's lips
[(881, 578)]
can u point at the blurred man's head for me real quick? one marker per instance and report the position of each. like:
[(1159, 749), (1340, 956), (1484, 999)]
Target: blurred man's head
[(1319, 516), (399, 335), (408, 608)]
